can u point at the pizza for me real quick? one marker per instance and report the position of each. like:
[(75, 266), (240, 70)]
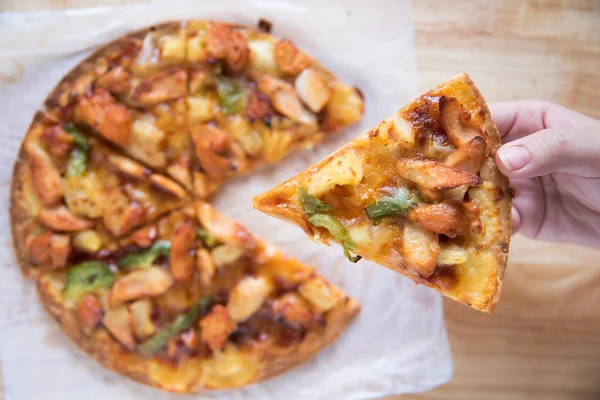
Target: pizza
[(204, 101), (109, 210), (195, 301), (419, 193)]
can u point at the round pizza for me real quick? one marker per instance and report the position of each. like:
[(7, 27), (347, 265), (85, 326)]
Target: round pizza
[(109, 208), (419, 193)]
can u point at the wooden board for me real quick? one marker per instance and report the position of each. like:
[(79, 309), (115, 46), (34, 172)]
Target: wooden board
[(543, 341)]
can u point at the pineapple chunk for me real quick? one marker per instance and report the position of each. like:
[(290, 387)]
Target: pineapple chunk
[(345, 170), (172, 48), (146, 141), (247, 297), (242, 131), (200, 108), (262, 57), (320, 293), (88, 241)]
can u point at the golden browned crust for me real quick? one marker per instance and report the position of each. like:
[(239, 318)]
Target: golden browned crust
[(18, 206), (86, 68), (501, 247)]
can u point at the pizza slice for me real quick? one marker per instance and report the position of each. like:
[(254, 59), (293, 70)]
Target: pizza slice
[(253, 98), (195, 301), (132, 92), (419, 193), (71, 191)]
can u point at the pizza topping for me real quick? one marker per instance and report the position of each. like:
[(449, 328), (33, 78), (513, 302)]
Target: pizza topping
[(209, 240), (89, 311), (346, 170), (451, 254), (175, 328), (262, 57), (141, 317), (225, 42), (144, 237), (127, 167), (88, 241), (247, 296), (205, 265), (458, 123), (435, 175), (78, 136), (182, 256), (45, 176), (469, 156), (312, 89), (289, 58), (167, 84), (238, 53), (77, 163), (101, 111), (117, 81), (120, 214), (119, 324), (167, 185), (345, 106), (320, 293), (337, 230), (259, 107), (61, 219), (50, 250), (145, 259), (399, 204), (84, 194), (231, 96), (86, 277), (420, 247), (293, 308), (311, 204), (216, 327), (142, 283), (223, 228), (59, 142), (214, 150), (226, 254), (450, 218), (285, 99), (146, 141)]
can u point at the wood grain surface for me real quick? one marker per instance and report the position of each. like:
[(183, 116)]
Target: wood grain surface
[(543, 341)]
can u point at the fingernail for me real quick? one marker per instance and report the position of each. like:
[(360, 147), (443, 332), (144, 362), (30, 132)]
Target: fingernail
[(514, 158)]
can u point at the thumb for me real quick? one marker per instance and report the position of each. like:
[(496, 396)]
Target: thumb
[(551, 150)]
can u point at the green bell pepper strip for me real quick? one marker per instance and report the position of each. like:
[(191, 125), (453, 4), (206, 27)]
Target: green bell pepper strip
[(230, 94), (337, 230), (399, 204), (146, 258), (207, 238), (78, 136), (311, 204), (87, 277), (77, 163), (180, 324)]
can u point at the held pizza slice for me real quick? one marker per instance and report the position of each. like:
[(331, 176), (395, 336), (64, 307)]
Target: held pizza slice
[(419, 193), (194, 301), (254, 98), (132, 92), (69, 191)]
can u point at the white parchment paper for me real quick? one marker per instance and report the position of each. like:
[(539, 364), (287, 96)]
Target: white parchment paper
[(398, 342)]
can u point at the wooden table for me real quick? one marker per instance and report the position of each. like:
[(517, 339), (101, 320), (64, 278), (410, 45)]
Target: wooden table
[(543, 341)]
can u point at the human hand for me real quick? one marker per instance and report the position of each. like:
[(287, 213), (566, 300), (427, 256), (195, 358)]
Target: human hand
[(552, 157)]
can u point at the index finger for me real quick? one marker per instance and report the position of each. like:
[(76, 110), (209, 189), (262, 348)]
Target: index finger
[(516, 119)]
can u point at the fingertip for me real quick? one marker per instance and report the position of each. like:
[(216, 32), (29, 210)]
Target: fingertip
[(512, 158)]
